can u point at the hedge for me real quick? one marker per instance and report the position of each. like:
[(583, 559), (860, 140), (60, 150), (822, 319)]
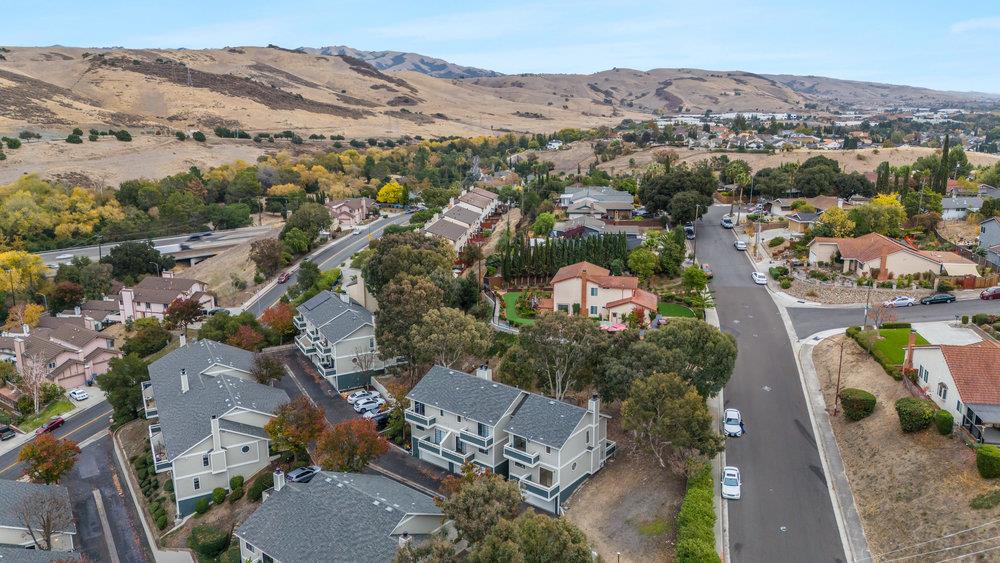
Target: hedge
[(161, 522), (890, 368), (218, 495), (235, 495), (261, 484), (988, 461), (236, 482), (696, 520), (169, 486), (857, 403), (914, 414), (202, 505), (896, 325), (208, 540), (944, 421)]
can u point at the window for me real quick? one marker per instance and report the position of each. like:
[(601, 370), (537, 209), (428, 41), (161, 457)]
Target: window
[(438, 435), (548, 450), (593, 292), (483, 430), (942, 391), (958, 407), (483, 451), (440, 412), (588, 436), (418, 408), (245, 449), (922, 374), (593, 309), (518, 465), (459, 419), (563, 308), (204, 460), (573, 468), (251, 548), (460, 446), (197, 483), (52, 365)]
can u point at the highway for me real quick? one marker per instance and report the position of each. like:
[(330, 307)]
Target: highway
[(810, 320), (329, 257), (786, 513)]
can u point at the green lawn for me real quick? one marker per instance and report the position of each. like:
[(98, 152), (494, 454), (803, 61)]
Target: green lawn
[(55, 408), (509, 300), (654, 527), (893, 343), (674, 310)]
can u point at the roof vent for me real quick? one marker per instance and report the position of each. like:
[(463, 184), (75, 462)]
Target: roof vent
[(552, 402)]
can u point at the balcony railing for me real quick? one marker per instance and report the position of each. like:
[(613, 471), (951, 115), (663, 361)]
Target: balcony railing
[(429, 446), (419, 419), (456, 457), (610, 448), (327, 371), (536, 489), (299, 322), (159, 449), (475, 439), (530, 459), (305, 344)]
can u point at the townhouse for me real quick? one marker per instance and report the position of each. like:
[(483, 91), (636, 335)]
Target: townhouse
[(338, 335), (151, 296), (588, 289), (463, 218), (337, 517), (597, 201), (72, 354), (210, 418), (549, 447), (882, 257), (16, 543)]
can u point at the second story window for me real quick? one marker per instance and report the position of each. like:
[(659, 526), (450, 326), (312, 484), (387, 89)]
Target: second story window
[(204, 460), (593, 292), (483, 430), (418, 408), (942, 391), (197, 483)]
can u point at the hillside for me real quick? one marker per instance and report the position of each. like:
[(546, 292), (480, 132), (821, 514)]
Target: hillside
[(852, 93), (394, 61)]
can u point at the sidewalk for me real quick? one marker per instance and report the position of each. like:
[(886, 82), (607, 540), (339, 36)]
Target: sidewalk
[(96, 397), (715, 407)]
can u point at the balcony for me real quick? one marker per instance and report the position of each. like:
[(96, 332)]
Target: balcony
[(419, 419), (429, 446), (305, 344), (475, 439), (457, 457), (148, 402), (324, 347), (159, 448), (517, 454), (299, 322), (538, 490), (326, 370), (610, 448)]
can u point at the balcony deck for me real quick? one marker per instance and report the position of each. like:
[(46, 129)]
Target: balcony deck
[(536, 489), (420, 420), (519, 455)]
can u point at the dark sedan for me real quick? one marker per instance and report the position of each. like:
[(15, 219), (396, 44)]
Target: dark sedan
[(937, 298), (990, 293)]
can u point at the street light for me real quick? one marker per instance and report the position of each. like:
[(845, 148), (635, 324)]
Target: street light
[(159, 269)]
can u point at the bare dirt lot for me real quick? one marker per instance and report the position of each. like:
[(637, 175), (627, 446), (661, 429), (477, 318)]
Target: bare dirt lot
[(959, 231), (219, 272), (630, 506), (909, 488)]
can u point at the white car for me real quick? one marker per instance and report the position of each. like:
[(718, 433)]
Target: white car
[(362, 395), (740, 244), (727, 222), (732, 423), (79, 395), (758, 278), (731, 483), (64, 257), (900, 301), (369, 405)]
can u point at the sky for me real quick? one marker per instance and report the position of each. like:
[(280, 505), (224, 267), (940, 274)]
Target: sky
[(943, 45)]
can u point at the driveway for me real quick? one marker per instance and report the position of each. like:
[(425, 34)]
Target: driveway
[(810, 320), (786, 513)]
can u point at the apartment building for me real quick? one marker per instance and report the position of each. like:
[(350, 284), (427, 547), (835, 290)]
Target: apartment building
[(463, 217), (211, 416), (549, 447), (338, 336), (152, 295)]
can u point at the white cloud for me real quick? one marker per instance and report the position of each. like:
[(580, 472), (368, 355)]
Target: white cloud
[(990, 23)]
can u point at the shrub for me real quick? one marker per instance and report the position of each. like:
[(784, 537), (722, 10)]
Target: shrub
[(208, 541), (218, 495), (965, 319), (778, 272), (696, 520), (786, 283), (235, 495), (202, 505), (181, 136), (853, 331), (169, 486), (857, 403), (945, 285), (236, 482), (261, 484), (988, 461), (123, 135), (986, 500), (776, 241), (74, 139), (77, 131), (982, 319), (198, 136), (944, 422), (915, 414), (896, 325), (161, 522)]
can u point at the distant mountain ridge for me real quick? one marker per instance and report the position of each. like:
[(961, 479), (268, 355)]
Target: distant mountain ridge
[(400, 61)]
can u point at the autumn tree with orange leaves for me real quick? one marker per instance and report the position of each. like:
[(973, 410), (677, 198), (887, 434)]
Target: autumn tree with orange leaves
[(350, 446)]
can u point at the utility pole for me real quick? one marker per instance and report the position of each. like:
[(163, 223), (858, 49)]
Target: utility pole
[(99, 254), (840, 366), (868, 297)]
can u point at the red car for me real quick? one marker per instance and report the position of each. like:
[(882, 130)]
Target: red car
[(52, 424), (991, 293), (283, 277)]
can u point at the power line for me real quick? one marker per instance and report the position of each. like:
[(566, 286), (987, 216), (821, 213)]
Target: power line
[(952, 534), (923, 553), (969, 554)]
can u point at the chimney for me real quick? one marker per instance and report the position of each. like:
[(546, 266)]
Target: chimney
[(216, 437), (76, 311), (484, 372), (19, 352), (594, 405), (184, 381), (279, 480), (25, 329), (166, 274), (583, 292), (908, 362), (404, 540), (345, 298), (183, 339)]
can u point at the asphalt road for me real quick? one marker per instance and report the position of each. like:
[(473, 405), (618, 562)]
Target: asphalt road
[(810, 320), (785, 513), (94, 469), (330, 257)]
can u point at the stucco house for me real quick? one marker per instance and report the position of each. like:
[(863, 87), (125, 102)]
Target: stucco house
[(211, 416), (587, 226), (337, 517), (550, 447), (590, 290), (597, 201), (875, 252), (351, 211), (71, 353), (338, 335), (800, 222), (152, 295), (15, 539)]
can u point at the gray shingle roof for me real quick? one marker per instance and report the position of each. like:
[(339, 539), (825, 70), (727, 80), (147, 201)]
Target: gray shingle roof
[(446, 229), (185, 418), (21, 555), (249, 429), (462, 215), (599, 193), (13, 493), (961, 202), (334, 318), (461, 393), (545, 420), (334, 517)]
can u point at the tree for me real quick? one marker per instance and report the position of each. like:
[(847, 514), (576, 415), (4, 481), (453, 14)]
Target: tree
[(65, 295), (448, 337), (150, 337), (402, 304), (94, 277), (121, 385), (310, 218), (688, 206), (266, 369), (407, 253), (350, 446), (562, 348), (701, 354), (230, 216), (629, 360), (476, 503), (668, 418), (533, 537), (694, 279), (34, 375), (297, 241), (815, 180), (884, 214), (835, 222), (544, 224), (437, 549), (129, 260), (48, 458), (247, 337), (280, 319), (24, 314), (391, 192), (296, 425), (643, 263), (182, 312), (308, 275), (198, 136), (267, 255), (43, 513), (923, 201)]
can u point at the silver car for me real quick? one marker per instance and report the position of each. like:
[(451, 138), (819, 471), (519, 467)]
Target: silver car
[(731, 483), (740, 244)]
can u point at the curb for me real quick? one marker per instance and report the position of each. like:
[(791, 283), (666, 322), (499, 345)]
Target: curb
[(716, 406), (26, 437)]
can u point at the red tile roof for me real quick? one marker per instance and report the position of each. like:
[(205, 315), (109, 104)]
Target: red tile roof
[(976, 371), (942, 257), (573, 271), (640, 297), (615, 282)]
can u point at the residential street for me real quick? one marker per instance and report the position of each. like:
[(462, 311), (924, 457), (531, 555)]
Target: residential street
[(786, 513), (810, 320)]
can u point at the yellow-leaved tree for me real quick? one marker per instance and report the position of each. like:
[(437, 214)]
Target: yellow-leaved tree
[(836, 222), (391, 192)]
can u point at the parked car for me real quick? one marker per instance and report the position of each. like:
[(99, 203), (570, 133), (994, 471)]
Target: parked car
[(991, 293), (900, 301), (362, 395), (6, 432), (359, 230), (50, 425), (937, 298), (689, 231), (369, 405), (79, 395), (732, 423), (283, 277), (758, 278), (740, 244), (727, 222), (303, 474), (731, 483), (708, 270)]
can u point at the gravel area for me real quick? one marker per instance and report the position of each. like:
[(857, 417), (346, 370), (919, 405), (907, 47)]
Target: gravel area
[(843, 295)]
